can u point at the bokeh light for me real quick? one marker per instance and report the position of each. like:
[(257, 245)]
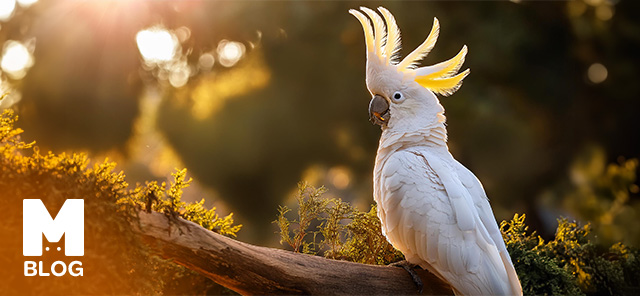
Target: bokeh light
[(597, 73), (161, 50), (6, 9), (183, 33), (604, 12), (339, 177), (157, 45), (16, 59), (179, 74), (206, 61), (230, 52)]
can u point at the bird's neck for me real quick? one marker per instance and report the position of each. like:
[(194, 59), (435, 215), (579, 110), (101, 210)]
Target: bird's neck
[(433, 136)]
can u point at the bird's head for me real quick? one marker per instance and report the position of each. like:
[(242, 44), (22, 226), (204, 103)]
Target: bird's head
[(403, 93)]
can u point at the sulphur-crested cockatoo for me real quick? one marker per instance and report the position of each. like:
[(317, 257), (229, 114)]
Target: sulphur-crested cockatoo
[(432, 208)]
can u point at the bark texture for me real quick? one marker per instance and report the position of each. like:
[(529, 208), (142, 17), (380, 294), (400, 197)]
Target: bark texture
[(255, 270)]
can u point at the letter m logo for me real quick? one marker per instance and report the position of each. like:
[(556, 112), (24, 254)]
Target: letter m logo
[(36, 221)]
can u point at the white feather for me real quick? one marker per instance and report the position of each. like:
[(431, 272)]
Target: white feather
[(471, 259)]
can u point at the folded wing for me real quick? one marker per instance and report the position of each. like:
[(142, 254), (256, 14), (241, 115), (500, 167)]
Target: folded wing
[(436, 213)]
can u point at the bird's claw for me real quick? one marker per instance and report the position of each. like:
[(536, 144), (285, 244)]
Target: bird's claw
[(410, 269)]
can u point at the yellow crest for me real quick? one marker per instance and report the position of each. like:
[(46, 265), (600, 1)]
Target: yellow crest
[(383, 43)]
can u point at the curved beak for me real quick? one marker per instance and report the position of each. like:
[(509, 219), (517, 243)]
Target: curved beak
[(379, 110)]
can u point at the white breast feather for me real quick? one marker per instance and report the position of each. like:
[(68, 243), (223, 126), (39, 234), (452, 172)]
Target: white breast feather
[(436, 212)]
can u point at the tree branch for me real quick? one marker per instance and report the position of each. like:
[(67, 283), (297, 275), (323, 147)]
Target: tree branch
[(249, 269)]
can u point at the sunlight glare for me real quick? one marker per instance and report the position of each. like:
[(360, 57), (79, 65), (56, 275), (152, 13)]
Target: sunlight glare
[(230, 52), (157, 45), (16, 59), (26, 3), (6, 9)]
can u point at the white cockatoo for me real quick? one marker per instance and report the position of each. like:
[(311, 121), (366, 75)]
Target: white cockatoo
[(432, 208)]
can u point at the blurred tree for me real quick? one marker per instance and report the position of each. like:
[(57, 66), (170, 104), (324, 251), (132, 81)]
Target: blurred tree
[(115, 260), (82, 91), (605, 194), (548, 79)]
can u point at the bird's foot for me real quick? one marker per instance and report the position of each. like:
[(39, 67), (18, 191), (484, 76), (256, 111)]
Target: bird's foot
[(410, 268)]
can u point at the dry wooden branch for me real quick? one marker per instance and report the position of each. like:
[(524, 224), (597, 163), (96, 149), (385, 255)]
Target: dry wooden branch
[(249, 269)]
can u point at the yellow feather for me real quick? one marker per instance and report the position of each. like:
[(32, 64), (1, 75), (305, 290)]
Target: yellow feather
[(393, 35), (421, 51), (380, 31), (443, 86), (448, 68), (366, 26)]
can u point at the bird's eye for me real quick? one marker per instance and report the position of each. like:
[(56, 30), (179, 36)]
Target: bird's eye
[(397, 97)]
